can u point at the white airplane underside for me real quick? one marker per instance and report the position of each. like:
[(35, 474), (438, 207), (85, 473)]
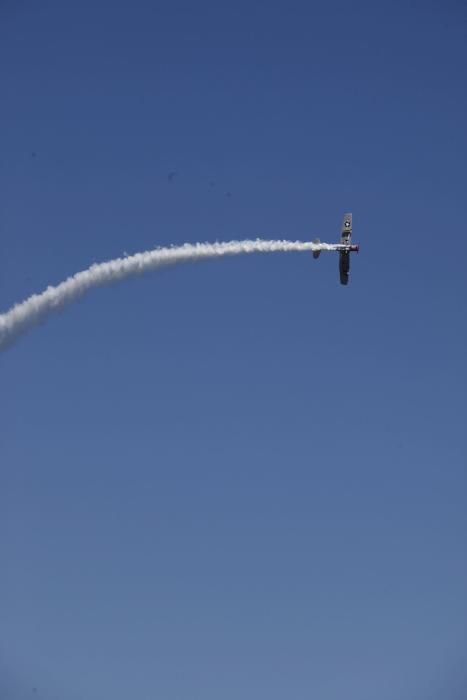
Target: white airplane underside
[(344, 248)]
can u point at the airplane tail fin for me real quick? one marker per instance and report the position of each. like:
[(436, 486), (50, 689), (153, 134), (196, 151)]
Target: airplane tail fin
[(316, 252)]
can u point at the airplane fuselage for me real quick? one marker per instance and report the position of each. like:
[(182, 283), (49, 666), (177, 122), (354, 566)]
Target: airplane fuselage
[(347, 248)]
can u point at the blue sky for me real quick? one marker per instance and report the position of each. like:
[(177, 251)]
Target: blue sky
[(237, 478)]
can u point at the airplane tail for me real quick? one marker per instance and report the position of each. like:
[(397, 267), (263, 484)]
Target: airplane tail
[(316, 252)]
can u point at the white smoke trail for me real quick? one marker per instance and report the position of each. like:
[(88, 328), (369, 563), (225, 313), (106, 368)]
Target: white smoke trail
[(21, 317)]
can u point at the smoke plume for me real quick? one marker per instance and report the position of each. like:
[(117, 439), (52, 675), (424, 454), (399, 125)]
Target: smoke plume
[(23, 316)]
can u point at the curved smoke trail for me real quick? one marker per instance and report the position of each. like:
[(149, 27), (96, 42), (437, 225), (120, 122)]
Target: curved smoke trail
[(21, 317)]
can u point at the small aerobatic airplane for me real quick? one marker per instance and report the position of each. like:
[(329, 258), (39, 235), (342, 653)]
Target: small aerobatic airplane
[(345, 247)]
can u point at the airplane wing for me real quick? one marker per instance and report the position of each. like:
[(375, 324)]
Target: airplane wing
[(346, 231), (344, 257), (344, 267)]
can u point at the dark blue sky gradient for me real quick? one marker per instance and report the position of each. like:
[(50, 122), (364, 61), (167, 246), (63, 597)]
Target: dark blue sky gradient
[(235, 479)]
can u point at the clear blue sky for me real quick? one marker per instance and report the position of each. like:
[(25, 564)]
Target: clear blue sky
[(236, 479)]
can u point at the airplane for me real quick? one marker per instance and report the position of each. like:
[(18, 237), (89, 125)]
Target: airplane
[(344, 248)]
